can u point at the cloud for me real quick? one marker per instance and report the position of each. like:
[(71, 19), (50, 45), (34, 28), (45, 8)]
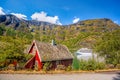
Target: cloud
[(42, 16), (1, 11), (19, 15), (76, 20), (116, 22)]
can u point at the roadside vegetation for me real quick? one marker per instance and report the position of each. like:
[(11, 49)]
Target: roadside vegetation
[(88, 65)]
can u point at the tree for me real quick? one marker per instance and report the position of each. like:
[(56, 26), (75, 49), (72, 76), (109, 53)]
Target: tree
[(2, 29), (109, 47)]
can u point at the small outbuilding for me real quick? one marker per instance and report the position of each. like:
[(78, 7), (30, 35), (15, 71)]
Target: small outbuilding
[(48, 52)]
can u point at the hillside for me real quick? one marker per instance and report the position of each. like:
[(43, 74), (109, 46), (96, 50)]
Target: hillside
[(16, 34), (96, 25), (82, 34)]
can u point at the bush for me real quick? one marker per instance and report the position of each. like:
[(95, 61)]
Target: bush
[(69, 68), (76, 64), (11, 67), (118, 66), (91, 64), (46, 66), (100, 65), (60, 67), (1, 65), (21, 65), (109, 66)]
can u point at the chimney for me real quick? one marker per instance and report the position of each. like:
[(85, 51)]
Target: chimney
[(53, 42)]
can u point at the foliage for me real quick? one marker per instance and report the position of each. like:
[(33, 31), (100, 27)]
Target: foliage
[(75, 64), (12, 47), (2, 29), (69, 68), (91, 64), (109, 47), (11, 67), (46, 66), (102, 34), (60, 67), (118, 66)]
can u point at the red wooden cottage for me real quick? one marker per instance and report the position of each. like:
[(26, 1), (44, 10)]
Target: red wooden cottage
[(46, 52)]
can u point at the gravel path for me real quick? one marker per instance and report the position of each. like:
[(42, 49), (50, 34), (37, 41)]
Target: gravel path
[(81, 76)]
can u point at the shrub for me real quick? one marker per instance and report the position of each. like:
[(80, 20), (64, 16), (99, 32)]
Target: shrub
[(1, 65), (11, 67), (100, 65), (76, 64), (83, 65), (46, 66), (60, 67), (91, 64), (69, 68), (109, 66), (118, 66)]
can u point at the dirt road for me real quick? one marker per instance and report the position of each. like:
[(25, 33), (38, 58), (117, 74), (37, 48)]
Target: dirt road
[(75, 76)]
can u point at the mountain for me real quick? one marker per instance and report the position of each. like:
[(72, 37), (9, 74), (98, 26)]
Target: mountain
[(91, 25), (11, 20), (103, 25)]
